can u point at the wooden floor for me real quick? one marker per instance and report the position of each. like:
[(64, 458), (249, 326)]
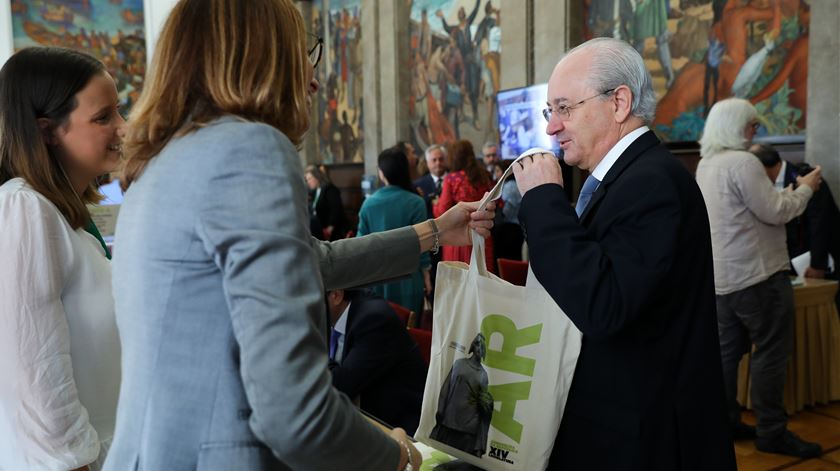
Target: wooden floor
[(819, 424)]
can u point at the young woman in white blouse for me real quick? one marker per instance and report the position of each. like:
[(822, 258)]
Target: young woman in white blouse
[(59, 349)]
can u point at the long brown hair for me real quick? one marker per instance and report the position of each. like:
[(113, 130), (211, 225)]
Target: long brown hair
[(462, 157), (221, 57), (42, 83)]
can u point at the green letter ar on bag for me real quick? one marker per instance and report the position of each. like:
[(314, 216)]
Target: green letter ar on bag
[(507, 359)]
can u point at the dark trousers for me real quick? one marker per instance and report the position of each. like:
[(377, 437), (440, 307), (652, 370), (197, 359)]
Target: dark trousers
[(761, 315)]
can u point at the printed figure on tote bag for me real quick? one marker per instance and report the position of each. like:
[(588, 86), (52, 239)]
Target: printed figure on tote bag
[(465, 407)]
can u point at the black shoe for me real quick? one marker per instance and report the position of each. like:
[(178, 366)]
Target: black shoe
[(742, 431), (787, 443)]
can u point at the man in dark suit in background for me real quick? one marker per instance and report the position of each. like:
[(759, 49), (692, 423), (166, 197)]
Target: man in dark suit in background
[(632, 269), (374, 360), (429, 185), (818, 229)]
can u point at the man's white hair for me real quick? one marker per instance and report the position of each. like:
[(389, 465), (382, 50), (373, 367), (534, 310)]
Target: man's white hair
[(488, 145), (433, 148), (615, 63), (725, 126)]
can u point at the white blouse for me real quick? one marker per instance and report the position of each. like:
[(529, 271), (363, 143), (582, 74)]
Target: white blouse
[(59, 348)]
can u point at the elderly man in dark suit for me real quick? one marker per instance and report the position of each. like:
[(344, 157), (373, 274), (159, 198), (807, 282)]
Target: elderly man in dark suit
[(430, 184), (633, 271), (374, 360)]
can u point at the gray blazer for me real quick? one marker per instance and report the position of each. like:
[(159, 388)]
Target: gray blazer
[(219, 293)]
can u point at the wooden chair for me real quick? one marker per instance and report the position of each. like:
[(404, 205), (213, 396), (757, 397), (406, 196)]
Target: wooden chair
[(513, 271), (423, 338), (406, 315)]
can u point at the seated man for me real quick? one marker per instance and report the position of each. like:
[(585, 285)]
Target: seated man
[(374, 360)]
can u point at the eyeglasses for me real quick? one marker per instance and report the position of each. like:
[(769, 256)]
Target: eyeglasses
[(755, 125), (565, 111), (316, 51)]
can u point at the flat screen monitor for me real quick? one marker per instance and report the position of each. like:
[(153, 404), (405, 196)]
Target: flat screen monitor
[(521, 124)]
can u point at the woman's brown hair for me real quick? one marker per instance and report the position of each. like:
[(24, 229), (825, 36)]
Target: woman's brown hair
[(245, 58), (462, 157), (41, 83)]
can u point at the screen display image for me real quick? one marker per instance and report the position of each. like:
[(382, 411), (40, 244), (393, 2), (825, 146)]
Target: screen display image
[(521, 124)]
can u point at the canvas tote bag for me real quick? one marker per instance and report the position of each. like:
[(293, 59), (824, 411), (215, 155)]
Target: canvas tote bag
[(502, 361)]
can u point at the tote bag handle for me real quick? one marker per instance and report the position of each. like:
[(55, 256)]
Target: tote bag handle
[(478, 264)]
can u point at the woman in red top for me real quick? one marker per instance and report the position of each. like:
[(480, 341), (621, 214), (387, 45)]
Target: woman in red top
[(467, 181)]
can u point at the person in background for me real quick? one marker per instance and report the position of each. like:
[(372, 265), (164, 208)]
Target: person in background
[(507, 232), (373, 360), (490, 156), (818, 229), (408, 150), (59, 349), (466, 181), (393, 206), (326, 204), (631, 265), (220, 297), (430, 185), (754, 296)]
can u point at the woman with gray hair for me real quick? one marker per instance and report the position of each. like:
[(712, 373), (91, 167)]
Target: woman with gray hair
[(753, 294)]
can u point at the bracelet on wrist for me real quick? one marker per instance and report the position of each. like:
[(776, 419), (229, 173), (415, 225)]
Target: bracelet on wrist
[(408, 465), (436, 234)]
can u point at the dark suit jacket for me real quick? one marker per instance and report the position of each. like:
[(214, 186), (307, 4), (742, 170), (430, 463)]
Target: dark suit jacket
[(429, 192), (634, 274), (818, 229), (381, 364)]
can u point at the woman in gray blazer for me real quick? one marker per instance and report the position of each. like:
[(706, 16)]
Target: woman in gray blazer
[(217, 282)]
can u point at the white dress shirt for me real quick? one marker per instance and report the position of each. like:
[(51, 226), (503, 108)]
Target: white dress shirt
[(341, 328), (59, 349), (604, 166)]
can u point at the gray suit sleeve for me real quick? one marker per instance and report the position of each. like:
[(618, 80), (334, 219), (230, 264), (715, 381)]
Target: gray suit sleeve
[(253, 223), (362, 260)]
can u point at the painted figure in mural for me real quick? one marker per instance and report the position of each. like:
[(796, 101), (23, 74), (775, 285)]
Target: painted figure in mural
[(713, 57), (786, 24), (111, 35), (488, 39), (462, 33), (453, 85), (650, 19), (425, 35), (612, 18), (348, 139)]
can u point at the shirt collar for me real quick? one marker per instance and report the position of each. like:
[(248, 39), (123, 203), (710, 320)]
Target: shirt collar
[(341, 324), (780, 178), (604, 166)]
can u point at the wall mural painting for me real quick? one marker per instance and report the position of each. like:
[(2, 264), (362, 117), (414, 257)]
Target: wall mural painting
[(111, 30), (340, 131), (455, 64), (702, 51)]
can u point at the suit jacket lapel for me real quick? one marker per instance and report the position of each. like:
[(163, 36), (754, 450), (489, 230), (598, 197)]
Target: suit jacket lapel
[(640, 145)]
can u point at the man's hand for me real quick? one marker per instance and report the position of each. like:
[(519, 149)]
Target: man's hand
[(813, 179), (811, 272), (536, 170)]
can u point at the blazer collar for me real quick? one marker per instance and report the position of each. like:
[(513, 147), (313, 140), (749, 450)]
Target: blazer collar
[(638, 147)]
